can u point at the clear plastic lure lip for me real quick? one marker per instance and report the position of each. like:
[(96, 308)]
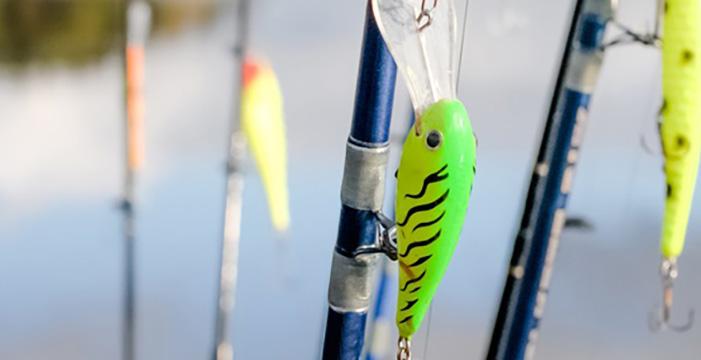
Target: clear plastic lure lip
[(422, 37)]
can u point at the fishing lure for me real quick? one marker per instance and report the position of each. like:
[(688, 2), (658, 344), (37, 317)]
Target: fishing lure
[(434, 181), (680, 133), (437, 166), (264, 128)]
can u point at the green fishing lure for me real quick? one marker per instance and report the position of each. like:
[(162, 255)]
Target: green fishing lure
[(437, 167), (434, 182), (680, 129), (680, 132)]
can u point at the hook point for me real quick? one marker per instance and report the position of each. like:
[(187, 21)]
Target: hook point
[(661, 320)]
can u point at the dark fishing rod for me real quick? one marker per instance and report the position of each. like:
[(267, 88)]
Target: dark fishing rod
[(223, 348), (137, 23), (528, 277), (362, 194)]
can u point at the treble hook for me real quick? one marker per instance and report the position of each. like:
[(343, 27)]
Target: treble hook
[(403, 349), (629, 36), (662, 320), (425, 14)]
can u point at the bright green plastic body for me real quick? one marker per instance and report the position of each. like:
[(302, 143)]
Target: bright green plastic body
[(681, 117), (433, 191)]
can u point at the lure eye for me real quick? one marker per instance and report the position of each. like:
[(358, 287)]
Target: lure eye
[(434, 139)]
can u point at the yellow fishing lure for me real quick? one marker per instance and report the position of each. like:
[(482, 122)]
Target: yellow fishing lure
[(263, 124), (680, 130)]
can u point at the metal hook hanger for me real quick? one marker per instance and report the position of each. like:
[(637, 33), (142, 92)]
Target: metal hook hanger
[(661, 320), (403, 349), (425, 14), (387, 233), (630, 36)]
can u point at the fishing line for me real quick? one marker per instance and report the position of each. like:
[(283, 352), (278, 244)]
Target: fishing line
[(462, 44), (426, 13), (633, 175), (428, 331), (642, 130)]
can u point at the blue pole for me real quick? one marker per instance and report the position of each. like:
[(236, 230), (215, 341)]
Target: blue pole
[(362, 195), (528, 277), (379, 345)]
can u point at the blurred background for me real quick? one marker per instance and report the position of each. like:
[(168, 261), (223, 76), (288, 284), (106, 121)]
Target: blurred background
[(61, 131)]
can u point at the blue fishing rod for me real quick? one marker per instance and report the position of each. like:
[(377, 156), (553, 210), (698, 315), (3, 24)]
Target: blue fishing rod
[(382, 320), (528, 277), (362, 195)]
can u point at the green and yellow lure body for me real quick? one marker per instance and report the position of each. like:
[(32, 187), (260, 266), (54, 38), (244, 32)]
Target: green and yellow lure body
[(437, 166), (680, 130), (263, 124), (434, 182)]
